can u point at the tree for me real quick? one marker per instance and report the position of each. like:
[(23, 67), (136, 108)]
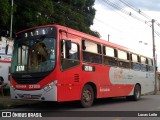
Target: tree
[(76, 14), (4, 13), (31, 13)]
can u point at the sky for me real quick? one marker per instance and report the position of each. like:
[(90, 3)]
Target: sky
[(126, 30)]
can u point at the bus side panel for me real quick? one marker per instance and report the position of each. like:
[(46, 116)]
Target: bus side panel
[(99, 76), (127, 78), (70, 88), (102, 78)]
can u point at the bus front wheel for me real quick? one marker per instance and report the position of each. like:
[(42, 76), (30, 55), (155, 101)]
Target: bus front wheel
[(87, 96)]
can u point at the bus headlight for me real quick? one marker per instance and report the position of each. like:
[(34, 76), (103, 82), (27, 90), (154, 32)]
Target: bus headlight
[(49, 86), (13, 87)]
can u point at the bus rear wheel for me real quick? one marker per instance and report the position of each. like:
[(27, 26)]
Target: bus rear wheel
[(137, 93), (87, 96)]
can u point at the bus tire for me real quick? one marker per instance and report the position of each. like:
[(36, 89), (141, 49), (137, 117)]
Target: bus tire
[(87, 96), (137, 92), (136, 95)]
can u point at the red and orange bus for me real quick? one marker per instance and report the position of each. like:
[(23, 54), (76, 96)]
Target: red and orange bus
[(56, 63)]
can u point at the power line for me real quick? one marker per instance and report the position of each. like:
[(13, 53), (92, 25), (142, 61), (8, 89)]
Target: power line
[(112, 4), (107, 25), (115, 6), (138, 11), (111, 9), (135, 9)]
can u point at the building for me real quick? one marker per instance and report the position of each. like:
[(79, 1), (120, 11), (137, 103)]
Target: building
[(6, 48)]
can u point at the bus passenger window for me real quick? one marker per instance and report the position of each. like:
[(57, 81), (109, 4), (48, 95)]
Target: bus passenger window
[(109, 56), (144, 67), (150, 65), (144, 64), (110, 61), (135, 65), (124, 64), (91, 57), (123, 59), (69, 56), (92, 52)]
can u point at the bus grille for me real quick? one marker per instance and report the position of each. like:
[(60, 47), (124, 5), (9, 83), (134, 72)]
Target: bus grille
[(28, 80)]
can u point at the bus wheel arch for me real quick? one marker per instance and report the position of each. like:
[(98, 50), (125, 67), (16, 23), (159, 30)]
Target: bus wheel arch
[(88, 94), (136, 93)]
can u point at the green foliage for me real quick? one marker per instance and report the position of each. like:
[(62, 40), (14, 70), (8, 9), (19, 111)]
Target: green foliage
[(4, 13), (32, 13), (76, 14)]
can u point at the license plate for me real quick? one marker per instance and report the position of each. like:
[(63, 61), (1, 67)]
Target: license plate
[(27, 96)]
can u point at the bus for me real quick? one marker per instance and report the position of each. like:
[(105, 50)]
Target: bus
[(57, 63)]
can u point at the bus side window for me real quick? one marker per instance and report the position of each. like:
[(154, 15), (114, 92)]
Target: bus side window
[(150, 65), (91, 52), (109, 56), (69, 55), (123, 59), (135, 65), (144, 66)]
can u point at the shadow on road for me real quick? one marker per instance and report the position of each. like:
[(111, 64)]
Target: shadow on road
[(74, 105)]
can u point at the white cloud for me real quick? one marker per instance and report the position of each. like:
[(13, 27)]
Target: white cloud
[(151, 5), (125, 30)]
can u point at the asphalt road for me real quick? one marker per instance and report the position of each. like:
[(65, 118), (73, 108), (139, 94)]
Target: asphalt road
[(116, 109)]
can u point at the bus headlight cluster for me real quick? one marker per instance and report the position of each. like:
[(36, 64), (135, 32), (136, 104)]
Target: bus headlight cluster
[(13, 87), (49, 86)]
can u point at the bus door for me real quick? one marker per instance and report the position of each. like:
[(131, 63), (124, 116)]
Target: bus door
[(71, 69)]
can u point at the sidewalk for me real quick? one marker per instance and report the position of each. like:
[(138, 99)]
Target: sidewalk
[(6, 102)]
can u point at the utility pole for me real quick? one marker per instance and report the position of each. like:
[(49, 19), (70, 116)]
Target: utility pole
[(108, 37), (154, 57), (11, 19)]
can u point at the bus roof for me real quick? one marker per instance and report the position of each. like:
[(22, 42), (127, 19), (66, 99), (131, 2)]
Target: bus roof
[(93, 38), (83, 35)]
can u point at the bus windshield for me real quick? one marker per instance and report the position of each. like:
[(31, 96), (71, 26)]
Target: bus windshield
[(34, 54)]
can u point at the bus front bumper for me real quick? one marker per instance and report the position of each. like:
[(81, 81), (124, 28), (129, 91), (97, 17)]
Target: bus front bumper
[(41, 95)]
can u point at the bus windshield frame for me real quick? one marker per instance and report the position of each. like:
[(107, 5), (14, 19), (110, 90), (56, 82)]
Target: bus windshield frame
[(35, 51)]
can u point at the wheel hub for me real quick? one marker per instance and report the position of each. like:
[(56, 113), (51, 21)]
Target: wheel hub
[(86, 95)]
